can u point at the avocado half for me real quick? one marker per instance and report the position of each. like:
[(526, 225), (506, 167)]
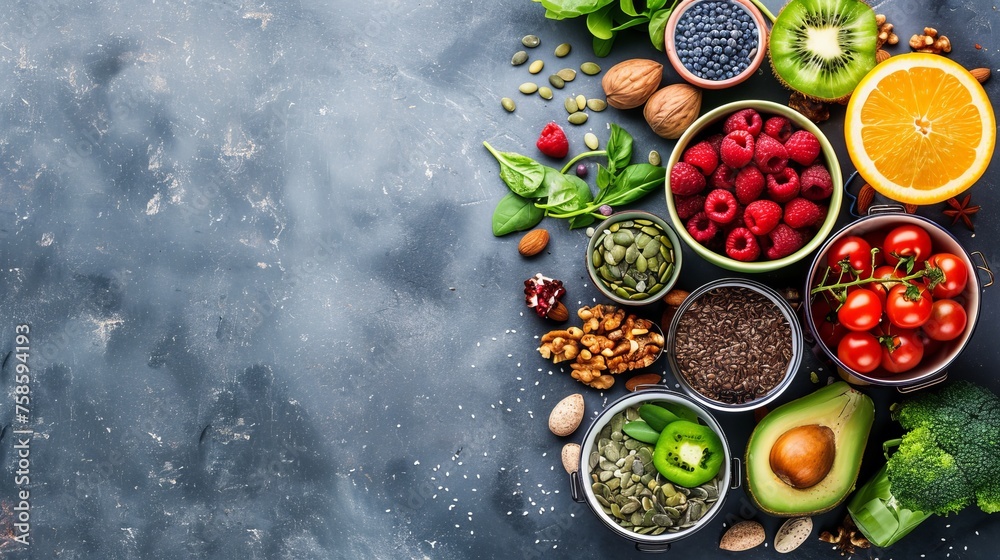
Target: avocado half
[(848, 413)]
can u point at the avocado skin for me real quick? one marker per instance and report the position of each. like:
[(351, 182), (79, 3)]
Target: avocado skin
[(846, 411)]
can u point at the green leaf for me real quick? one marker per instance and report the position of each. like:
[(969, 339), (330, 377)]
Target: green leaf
[(631, 23), (515, 213), (604, 177), (602, 47), (628, 6), (619, 149), (581, 221), (600, 23), (658, 26), (573, 8), (521, 174), (653, 5), (635, 182), (566, 193)]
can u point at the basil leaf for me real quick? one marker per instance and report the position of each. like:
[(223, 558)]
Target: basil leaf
[(604, 177), (653, 5), (515, 213), (521, 174), (600, 23), (658, 26), (635, 182), (583, 220), (573, 8), (619, 149), (602, 47), (631, 23), (628, 6), (567, 193)]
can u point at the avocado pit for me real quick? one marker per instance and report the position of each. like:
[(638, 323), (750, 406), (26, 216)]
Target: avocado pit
[(803, 456)]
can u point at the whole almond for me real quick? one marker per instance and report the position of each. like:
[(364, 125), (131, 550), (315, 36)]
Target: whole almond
[(637, 381), (671, 110), (865, 197), (558, 313), (629, 83), (571, 457), (792, 534), (533, 242), (675, 297), (980, 74), (566, 415), (881, 55), (743, 536)]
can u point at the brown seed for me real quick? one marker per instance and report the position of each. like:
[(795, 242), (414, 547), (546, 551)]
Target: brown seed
[(533, 242), (743, 536), (675, 297), (642, 379), (865, 197), (558, 313), (980, 74), (571, 457), (881, 55)]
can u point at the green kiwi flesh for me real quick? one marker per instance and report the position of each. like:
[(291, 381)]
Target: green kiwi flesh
[(822, 48)]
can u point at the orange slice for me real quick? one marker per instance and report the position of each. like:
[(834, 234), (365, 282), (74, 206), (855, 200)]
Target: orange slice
[(920, 128)]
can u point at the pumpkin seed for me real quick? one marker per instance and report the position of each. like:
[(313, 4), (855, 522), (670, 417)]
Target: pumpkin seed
[(519, 58), (536, 66), (508, 104), (590, 140), (597, 105), (581, 102), (570, 105), (545, 92), (528, 88), (531, 41), (654, 158), (557, 81), (567, 74), (577, 118), (563, 49), (590, 68)]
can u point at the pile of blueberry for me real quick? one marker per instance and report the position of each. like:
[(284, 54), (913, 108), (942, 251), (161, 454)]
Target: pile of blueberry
[(716, 39)]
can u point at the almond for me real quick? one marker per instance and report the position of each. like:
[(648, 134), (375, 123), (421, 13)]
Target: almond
[(642, 379), (571, 457), (865, 197), (671, 110), (533, 242), (881, 55), (980, 74), (675, 298), (629, 83), (743, 536), (558, 313), (566, 415), (792, 534)]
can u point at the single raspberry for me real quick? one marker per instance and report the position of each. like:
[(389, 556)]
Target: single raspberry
[(720, 206), (802, 147), (779, 128), (761, 216), (716, 141), (785, 240), (742, 245), (723, 178), (737, 149), (745, 119), (815, 183), (801, 213), (686, 179), (703, 156), (769, 154), (688, 206), (552, 141), (783, 185), (701, 228), (749, 184)]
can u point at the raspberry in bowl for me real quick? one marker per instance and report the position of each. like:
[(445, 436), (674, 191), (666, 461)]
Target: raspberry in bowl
[(753, 186)]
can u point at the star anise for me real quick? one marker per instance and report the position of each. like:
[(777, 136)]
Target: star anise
[(961, 211)]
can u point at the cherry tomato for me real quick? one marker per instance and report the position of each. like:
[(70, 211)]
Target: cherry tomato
[(860, 351), (908, 306), (875, 239), (861, 310), (855, 250), (956, 274), (825, 322), (907, 241), (883, 272), (947, 321), (904, 351)]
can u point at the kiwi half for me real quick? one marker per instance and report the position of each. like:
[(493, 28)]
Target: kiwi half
[(822, 48)]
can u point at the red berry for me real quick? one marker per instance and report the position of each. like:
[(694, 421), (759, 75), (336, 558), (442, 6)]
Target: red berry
[(686, 179), (716, 141), (737, 149), (688, 206), (703, 156), (784, 241), (701, 228), (802, 147), (761, 216), (749, 184), (769, 154), (723, 178), (800, 213), (783, 185), (720, 206), (745, 119), (552, 141), (815, 183), (779, 128), (742, 245)]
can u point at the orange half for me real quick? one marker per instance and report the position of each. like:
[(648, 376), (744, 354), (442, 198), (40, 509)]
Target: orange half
[(920, 129)]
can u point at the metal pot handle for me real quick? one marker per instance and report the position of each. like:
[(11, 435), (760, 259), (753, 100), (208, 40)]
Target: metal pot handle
[(985, 267), (652, 548), (737, 479), (574, 488), (923, 385)]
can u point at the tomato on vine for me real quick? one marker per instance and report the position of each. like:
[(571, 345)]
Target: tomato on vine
[(956, 275), (825, 322), (908, 306), (860, 351), (909, 242), (901, 351), (861, 310), (947, 321), (853, 250)]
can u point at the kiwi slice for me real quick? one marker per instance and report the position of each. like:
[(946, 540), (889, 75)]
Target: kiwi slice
[(822, 48)]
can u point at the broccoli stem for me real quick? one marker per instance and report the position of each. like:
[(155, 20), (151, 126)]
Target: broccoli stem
[(877, 513)]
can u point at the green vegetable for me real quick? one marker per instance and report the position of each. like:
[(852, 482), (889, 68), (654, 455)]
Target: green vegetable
[(515, 213), (948, 459), (605, 18), (656, 416), (687, 453), (521, 174), (641, 431)]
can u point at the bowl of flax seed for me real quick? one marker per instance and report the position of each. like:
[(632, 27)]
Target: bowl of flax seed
[(734, 344)]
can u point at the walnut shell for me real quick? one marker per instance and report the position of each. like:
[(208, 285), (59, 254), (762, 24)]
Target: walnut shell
[(629, 83), (671, 110)]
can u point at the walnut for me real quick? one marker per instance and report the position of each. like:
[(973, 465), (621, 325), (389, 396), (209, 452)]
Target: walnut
[(601, 318), (847, 537), (589, 368), (561, 345), (813, 110), (930, 42), (885, 34)]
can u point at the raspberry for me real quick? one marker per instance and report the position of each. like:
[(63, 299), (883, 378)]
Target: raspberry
[(802, 147), (761, 216), (688, 206), (742, 245), (685, 179), (701, 228), (815, 183), (783, 185), (720, 206), (716, 141), (769, 154), (737, 149), (723, 178), (749, 184), (745, 119), (552, 141), (778, 128), (784, 241), (800, 213), (703, 156)]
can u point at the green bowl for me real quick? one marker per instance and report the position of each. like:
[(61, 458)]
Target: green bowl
[(714, 118)]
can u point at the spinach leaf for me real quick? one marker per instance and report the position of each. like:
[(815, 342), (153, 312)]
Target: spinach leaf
[(631, 23), (654, 5), (628, 7), (635, 182), (515, 213), (583, 220), (566, 193), (521, 174), (566, 9), (602, 47), (600, 23), (604, 177), (619, 149), (658, 26)]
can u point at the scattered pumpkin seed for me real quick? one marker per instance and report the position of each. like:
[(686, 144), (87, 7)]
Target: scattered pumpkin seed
[(581, 102), (597, 105), (571, 105), (528, 88), (590, 68), (536, 66), (508, 104), (557, 81), (545, 92), (531, 41), (519, 58), (563, 49), (567, 74), (590, 139), (654, 158), (577, 118)]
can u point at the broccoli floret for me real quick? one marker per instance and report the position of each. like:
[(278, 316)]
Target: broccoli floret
[(924, 477), (988, 496)]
